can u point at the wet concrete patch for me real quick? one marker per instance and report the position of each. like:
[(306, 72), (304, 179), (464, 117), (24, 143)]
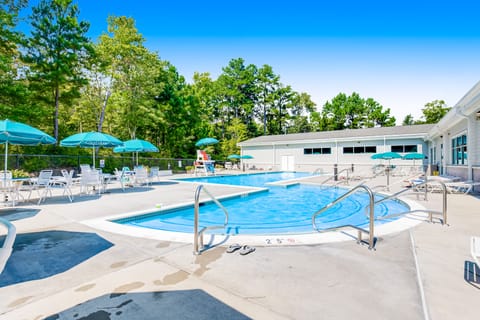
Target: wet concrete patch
[(183, 304), (173, 278), (19, 301), (118, 264), (163, 245), (128, 287), (206, 258), (85, 287)]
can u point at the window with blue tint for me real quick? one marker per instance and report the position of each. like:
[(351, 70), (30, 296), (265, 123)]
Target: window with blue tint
[(404, 148), (317, 151), (459, 150), (362, 149)]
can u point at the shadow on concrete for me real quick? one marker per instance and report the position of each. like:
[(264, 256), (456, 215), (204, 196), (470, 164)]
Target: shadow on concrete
[(13, 214), (40, 255), (471, 274), (184, 304)]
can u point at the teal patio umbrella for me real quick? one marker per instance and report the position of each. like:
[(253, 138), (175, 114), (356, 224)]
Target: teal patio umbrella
[(233, 156), (387, 156), (414, 156), (18, 133), (91, 140), (136, 146), (206, 142)]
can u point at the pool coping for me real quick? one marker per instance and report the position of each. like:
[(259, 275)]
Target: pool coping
[(106, 224)]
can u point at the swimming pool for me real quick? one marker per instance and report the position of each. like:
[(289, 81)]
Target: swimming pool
[(278, 210)]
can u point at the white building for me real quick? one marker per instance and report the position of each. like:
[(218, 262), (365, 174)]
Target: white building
[(445, 144), (454, 140)]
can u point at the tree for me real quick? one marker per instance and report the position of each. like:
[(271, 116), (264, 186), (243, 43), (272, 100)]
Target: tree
[(434, 111), (56, 53), (408, 120), (13, 90), (353, 112)]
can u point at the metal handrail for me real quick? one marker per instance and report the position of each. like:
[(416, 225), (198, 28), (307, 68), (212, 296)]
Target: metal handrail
[(425, 183), (336, 175), (6, 249), (370, 232), (198, 235)]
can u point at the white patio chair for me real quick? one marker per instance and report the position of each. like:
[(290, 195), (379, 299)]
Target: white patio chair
[(9, 188), (92, 178), (463, 187), (66, 183), (43, 182), (141, 176), (154, 173)]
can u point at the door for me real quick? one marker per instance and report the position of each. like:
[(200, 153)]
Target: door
[(288, 163)]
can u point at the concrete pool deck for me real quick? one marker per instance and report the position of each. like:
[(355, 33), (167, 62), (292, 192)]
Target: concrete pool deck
[(126, 277)]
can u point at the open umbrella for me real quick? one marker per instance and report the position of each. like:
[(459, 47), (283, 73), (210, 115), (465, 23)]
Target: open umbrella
[(17, 133), (206, 142), (135, 145), (414, 156), (91, 140), (233, 156), (387, 156)]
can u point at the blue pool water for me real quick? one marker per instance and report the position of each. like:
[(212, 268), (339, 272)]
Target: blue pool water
[(279, 210)]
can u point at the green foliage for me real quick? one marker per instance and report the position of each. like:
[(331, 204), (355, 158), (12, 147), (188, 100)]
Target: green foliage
[(18, 173), (434, 111), (353, 112), (56, 53)]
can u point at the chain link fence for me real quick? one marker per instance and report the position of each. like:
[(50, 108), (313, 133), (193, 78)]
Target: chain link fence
[(33, 163)]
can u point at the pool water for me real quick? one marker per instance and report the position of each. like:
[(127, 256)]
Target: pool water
[(251, 180), (278, 210)]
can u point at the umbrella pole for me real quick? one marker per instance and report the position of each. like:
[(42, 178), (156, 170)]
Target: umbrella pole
[(93, 157), (6, 164)]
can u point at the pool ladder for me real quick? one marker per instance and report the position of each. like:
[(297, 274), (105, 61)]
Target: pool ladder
[(425, 184), (369, 232), (6, 249), (198, 246)]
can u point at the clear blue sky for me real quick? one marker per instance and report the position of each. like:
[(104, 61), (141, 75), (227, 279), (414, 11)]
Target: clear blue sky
[(401, 53)]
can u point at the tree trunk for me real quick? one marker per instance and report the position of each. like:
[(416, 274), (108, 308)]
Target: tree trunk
[(102, 113), (55, 115)]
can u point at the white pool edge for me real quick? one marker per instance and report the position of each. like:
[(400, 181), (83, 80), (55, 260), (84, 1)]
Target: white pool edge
[(401, 224)]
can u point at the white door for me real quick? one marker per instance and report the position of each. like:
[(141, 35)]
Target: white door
[(288, 163)]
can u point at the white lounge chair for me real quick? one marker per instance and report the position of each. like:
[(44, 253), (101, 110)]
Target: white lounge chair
[(475, 249), (461, 187)]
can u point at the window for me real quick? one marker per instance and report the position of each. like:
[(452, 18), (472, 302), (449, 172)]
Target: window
[(459, 150), (317, 151), (362, 149), (405, 148)]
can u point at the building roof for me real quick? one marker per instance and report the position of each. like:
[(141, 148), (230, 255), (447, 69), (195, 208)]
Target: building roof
[(415, 131)]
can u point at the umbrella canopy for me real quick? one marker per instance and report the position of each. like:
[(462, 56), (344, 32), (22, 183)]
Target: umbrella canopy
[(246, 156), (233, 156), (387, 156), (206, 142), (136, 145), (414, 156), (91, 140), (18, 133)]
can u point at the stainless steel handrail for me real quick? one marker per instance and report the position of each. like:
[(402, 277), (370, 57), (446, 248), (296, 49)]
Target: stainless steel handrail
[(6, 249), (425, 184), (348, 170), (198, 234), (370, 232)]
